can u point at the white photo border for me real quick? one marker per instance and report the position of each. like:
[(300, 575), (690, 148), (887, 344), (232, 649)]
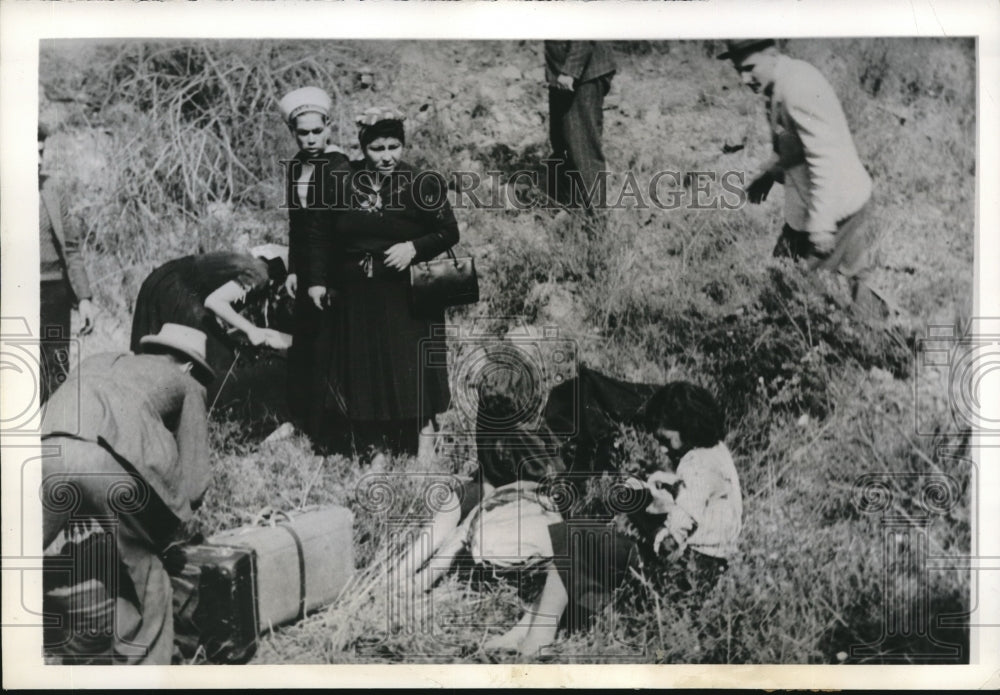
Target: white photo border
[(23, 24)]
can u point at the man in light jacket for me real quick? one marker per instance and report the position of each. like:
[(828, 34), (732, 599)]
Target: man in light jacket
[(827, 189), (128, 465)]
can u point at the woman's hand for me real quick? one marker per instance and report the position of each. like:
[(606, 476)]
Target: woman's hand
[(316, 294), (566, 83), (292, 285), (666, 544), (276, 339), (256, 336), (399, 256), (661, 484)]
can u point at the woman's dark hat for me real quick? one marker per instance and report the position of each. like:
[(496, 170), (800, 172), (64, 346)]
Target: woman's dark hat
[(189, 342), (740, 49), (378, 123)]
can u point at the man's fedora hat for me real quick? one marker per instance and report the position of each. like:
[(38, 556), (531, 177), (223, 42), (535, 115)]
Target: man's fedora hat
[(741, 48), (188, 341)]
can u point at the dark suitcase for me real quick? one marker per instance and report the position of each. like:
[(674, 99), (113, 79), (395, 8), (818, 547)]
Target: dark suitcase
[(215, 603)]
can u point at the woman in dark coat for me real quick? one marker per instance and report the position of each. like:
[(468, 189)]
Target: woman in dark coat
[(206, 292), (386, 370), (312, 202)]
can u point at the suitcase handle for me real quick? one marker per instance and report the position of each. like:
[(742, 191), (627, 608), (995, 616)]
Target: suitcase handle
[(268, 517)]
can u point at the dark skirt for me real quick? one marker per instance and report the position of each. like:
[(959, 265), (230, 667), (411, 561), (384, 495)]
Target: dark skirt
[(387, 364), (308, 363)]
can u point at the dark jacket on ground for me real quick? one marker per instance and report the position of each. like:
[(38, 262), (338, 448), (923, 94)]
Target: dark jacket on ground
[(584, 413)]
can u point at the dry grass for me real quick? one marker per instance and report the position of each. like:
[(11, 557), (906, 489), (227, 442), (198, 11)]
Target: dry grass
[(170, 148)]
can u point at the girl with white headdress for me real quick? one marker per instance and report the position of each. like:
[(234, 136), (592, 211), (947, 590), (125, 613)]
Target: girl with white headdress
[(311, 199)]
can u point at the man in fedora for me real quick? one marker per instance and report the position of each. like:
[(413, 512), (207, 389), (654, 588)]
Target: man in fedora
[(62, 276), (127, 437), (827, 189)]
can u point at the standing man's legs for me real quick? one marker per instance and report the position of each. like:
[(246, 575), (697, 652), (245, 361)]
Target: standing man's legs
[(853, 257), (560, 102), (583, 125), (55, 302)]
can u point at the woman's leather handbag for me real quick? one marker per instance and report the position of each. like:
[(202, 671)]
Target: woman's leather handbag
[(444, 282)]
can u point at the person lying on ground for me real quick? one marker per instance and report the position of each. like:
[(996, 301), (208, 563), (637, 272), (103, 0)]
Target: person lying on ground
[(500, 525)]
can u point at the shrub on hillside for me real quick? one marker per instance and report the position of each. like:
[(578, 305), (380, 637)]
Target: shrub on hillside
[(786, 347)]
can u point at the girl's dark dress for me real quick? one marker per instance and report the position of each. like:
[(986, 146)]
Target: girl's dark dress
[(313, 217), (176, 292), (388, 363), (252, 388)]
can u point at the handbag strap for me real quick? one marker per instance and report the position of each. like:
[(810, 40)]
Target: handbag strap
[(451, 254)]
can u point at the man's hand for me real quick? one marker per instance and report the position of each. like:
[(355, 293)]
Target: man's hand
[(565, 83), (292, 285), (316, 294), (88, 315), (759, 188)]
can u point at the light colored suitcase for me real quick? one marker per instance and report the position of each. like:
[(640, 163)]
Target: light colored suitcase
[(304, 559)]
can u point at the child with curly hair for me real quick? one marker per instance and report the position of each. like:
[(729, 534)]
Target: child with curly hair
[(701, 498)]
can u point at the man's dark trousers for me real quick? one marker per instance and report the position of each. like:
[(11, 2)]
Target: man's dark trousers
[(56, 300), (576, 123)]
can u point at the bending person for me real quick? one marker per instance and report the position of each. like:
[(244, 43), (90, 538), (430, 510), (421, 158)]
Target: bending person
[(697, 487), (207, 292), (827, 189)]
